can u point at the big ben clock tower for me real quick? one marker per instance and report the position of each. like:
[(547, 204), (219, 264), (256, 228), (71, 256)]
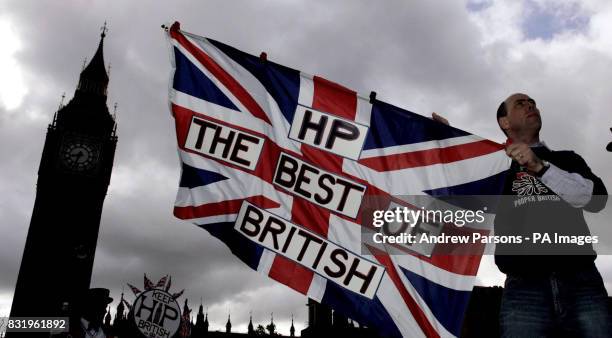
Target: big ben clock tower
[(73, 178)]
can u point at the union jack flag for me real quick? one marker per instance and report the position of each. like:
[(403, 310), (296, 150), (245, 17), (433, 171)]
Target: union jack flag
[(221, 96)]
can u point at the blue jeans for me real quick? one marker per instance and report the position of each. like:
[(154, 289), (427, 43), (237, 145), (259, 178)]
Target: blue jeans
[(555, 305)]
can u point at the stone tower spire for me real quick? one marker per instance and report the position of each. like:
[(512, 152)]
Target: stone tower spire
[(228, 325), (94, 78), (250, 328), (292, 328), (120, 308), (206, 322)]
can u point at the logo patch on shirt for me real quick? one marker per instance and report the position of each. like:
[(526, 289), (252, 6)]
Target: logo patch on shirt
[(527, 185)]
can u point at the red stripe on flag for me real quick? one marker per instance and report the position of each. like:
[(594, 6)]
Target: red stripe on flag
[(459, 258), (462, 264), (431, 156), (291, 274), (462, 259), (224, 77), (222, 208), (182, 121), (334, 99), (310, 215), (415, 309), (331, 98)]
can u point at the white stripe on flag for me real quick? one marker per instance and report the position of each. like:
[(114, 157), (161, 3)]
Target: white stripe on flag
[(345, 233), (397, 309), (364, 112), (239, 185), (435, 274), (427, 145), (306, 90), (218, 84), (422, 304), (316, 290), (413, 181), (265, 262), (250, 83)]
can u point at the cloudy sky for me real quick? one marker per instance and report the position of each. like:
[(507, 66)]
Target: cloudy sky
[(459, 58)]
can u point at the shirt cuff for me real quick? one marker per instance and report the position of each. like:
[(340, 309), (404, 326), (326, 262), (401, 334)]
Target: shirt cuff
[(571, 187)]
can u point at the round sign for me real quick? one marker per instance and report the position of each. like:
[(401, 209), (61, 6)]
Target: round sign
[(157, 314)]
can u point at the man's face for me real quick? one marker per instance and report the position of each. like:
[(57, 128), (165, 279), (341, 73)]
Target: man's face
[(522, 116)]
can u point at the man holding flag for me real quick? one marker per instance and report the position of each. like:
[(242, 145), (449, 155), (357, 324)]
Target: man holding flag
[(547, 293)]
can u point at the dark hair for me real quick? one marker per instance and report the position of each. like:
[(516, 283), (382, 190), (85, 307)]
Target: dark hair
[(501, 112)]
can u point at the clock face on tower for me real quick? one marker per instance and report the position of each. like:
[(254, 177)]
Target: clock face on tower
[(79, 155)]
